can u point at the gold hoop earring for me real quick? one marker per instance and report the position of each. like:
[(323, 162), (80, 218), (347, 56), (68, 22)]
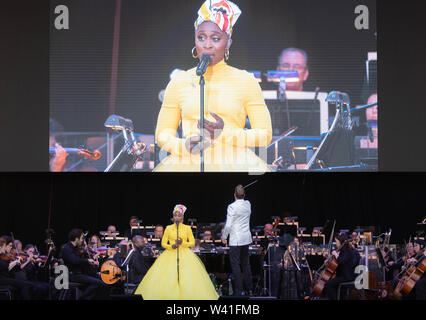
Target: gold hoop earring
[(226, 54), (195, 56)]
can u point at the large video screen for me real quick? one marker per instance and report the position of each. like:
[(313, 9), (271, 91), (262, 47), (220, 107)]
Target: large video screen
[(167, 86)]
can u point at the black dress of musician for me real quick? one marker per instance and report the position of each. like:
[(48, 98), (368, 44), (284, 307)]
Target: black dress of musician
[(95, 288), (347, 259)]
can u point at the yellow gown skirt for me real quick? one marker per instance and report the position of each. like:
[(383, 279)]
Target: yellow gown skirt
[(161, 283)]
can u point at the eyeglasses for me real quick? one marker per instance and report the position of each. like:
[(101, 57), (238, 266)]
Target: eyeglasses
[(288, 66)]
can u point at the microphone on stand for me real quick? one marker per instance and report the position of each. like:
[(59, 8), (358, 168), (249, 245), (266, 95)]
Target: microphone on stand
[(201, 69), (282, 87), (177, 252), (202, 65)]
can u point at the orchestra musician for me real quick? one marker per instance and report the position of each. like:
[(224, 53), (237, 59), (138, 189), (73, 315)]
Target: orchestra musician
[(420, 287), (133, 222), (138, 265), (30, 268), (237, 227), (207, 240), (400, 264), (158, 231), (347, 258), (294, 59), (418, 253), (73, 254), (9, 263)]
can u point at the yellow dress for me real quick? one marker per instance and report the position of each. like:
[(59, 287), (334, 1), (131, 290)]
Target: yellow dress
[(233, 95), (161, 283)]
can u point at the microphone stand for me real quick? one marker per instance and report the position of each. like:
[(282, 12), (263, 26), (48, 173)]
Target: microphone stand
[(202, 83), (126, 264), (177, 231)]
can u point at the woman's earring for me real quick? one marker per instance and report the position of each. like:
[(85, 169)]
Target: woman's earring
[(194, 55), (226, 54)]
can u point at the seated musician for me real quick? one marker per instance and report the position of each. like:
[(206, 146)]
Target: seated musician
[(138, 265), (8, 265), (268, 233), (94, 242), (420, 287), (355, 239), (133, 222), (399, 264), (77, 264), (31, 268), (207, 242), (111, 229), (158, 231), (347, 259)]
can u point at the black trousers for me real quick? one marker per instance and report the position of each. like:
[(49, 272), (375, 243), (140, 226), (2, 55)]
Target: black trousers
[(24, 289), (239, 258), (95, 289)]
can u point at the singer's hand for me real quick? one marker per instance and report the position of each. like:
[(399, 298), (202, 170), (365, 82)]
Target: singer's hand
[(193, 145), (214, 129)]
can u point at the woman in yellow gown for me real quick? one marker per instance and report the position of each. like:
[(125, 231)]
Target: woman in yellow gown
[(161, 281), (231, 95)]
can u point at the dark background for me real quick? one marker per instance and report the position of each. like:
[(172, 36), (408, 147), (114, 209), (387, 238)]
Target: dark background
[(157, 37), (92, 201)]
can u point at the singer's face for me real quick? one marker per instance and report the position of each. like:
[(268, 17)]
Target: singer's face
[(177, 216), (209, 39)]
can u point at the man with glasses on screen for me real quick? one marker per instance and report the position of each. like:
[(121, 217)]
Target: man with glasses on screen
[(295, 60)]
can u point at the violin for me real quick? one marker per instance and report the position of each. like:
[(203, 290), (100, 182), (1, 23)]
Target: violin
[(103, 251), (94, 155), (9, 256)]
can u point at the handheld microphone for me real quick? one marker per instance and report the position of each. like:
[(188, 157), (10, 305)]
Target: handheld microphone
[(202, 65)]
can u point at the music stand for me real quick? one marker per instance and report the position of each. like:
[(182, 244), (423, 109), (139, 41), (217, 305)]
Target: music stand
[(131, 151), (337, 148)]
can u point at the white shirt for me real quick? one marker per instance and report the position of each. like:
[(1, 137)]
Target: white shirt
[(238, 223)]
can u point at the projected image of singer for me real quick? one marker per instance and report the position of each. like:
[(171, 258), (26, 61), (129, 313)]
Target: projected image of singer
[(231, 95), (177, 274)]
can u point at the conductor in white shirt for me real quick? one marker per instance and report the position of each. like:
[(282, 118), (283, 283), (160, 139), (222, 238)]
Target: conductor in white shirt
[(238, 228)]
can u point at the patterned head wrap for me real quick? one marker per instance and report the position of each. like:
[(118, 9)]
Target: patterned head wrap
[(222, 12), (179, 208)]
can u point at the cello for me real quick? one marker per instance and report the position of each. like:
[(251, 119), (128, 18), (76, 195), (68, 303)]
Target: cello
[(410, 278), (328, 270)]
